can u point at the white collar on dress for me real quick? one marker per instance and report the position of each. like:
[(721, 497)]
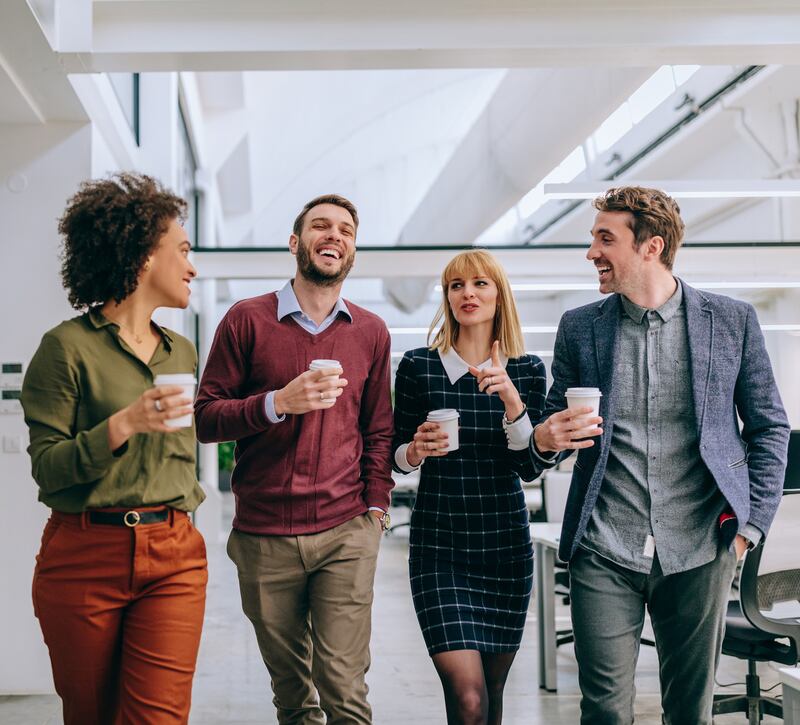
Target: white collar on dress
[(456, 368)]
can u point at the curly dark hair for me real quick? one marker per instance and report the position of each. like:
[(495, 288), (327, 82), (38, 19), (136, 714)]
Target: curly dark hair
[(110, 227)]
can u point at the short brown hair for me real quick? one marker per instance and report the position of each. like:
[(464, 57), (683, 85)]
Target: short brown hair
[(334, 199), (507, 329), (109, 229), (652, 214)]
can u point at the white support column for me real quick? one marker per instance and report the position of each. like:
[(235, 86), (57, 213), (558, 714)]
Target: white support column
[(209, 515), (158, 132), (41, 166)]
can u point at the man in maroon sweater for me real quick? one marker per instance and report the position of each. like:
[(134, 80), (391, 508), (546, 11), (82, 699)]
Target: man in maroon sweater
[(312, 478)]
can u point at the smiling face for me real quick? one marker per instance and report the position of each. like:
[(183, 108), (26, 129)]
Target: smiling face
[(620, 264), (473, 300), (170, 271), (326, 247)]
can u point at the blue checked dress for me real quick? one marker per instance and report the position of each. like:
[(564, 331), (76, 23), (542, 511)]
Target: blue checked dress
[(470, 559)]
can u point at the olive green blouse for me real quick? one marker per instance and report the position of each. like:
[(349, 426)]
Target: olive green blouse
[(81, 373)]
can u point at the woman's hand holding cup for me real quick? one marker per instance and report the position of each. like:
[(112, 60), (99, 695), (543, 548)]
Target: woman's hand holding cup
[(428, 441), (149, 413)]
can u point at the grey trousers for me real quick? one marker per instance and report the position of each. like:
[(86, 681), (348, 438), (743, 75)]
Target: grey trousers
[(309, 599), (687, 611)]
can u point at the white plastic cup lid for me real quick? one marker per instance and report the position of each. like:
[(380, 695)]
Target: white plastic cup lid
[(323, 364), (583, 392), (175, 379), (443, 414)]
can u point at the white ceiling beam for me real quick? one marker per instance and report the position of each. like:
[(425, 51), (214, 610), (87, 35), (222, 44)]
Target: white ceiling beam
[(73, 26), (33, 86), (533, 120), (356, 34), (773, 265)]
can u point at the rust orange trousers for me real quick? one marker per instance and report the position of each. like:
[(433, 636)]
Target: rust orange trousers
[(121, 610)]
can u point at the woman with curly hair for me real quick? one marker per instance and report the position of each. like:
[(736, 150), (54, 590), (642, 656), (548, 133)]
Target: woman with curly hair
[(120, 579), (470, 559)]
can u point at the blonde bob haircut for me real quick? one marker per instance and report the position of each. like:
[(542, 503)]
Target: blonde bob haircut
[(478, 263)]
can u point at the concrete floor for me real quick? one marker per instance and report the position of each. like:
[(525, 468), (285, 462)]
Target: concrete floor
[(232, 687)]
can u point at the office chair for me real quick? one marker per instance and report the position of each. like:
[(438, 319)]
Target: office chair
[(751, 635)]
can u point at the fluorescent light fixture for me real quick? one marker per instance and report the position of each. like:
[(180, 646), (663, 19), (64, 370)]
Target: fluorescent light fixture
[(592, 286), (538, 353), (549, 329), (424, 330), (683, 189)]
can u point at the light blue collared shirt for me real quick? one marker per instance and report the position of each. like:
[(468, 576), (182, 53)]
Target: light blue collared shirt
[(289, 306)]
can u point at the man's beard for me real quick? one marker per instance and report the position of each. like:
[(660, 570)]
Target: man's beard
[(318, 276)]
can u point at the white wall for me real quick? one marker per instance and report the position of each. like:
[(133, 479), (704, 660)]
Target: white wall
[(40, 168), (47, 162)]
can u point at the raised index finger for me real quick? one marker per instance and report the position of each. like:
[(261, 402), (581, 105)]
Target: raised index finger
[(496, 354)]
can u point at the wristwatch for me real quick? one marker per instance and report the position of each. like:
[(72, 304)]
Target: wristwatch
[(386, 520)]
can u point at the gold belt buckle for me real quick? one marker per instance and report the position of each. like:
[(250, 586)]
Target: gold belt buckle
[(131, 518)]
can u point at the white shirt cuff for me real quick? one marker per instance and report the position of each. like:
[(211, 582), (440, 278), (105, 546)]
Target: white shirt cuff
[(269, 407), (518, 433), (401, 460)]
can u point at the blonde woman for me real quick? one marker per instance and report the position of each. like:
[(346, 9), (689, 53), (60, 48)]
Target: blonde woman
[(471, 562)]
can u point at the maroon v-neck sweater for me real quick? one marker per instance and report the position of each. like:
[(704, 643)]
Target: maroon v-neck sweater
[(309, 472)]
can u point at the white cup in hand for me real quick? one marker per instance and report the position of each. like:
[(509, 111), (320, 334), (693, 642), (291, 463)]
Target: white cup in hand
[(188, 382), (447, 418)]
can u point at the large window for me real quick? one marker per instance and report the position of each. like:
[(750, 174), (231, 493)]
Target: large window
[(126, 88), (186, 184)]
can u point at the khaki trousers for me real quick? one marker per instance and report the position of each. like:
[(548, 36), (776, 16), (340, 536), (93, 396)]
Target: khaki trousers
[(121, 610), (310, 601)]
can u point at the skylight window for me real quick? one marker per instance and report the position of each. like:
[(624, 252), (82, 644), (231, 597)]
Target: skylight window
[(566, 171), (642, 102), (657, 88), (613, 128), (683, 73)]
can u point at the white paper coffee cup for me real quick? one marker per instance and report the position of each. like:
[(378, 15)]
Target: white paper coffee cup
[(583, 397), (326, 365), (447, 418), (188, 382)]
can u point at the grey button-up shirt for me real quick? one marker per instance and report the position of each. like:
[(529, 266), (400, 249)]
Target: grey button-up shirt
[(655, 482)]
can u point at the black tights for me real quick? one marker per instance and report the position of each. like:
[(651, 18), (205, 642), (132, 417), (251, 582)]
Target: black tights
[(473, 685)]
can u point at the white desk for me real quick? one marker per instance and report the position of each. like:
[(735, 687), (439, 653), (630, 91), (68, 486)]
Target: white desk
[(790, 678), (545, 546)]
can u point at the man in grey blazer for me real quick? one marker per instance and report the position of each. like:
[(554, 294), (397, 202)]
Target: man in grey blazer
[(675, 366)]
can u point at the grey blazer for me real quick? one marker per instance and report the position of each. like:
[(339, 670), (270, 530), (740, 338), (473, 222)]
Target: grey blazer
[(731, 373)]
